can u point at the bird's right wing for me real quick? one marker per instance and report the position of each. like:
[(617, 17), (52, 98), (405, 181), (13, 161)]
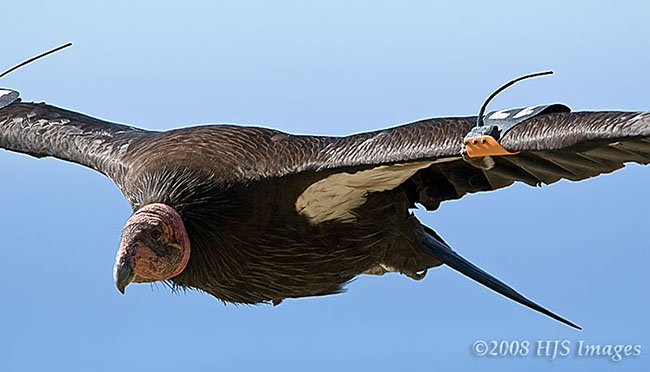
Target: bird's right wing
[(40, 130)]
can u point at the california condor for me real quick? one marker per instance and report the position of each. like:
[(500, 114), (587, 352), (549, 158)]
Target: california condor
[(253, 215)]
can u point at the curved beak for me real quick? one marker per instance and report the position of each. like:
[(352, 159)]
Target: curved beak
[(123, 274)]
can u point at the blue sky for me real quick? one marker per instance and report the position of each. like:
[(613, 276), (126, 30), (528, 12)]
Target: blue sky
[(324, 67)]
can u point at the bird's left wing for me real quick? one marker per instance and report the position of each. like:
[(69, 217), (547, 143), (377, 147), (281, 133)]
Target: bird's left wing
[(548, 148), (427, 156)]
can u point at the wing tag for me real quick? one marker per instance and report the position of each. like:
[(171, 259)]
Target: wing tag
[(484, 140), (7, 97), (485, 146)]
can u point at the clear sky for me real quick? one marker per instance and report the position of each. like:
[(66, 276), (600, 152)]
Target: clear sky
[(325, 67)]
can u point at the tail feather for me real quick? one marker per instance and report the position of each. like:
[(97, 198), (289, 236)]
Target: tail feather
[(441, 251)]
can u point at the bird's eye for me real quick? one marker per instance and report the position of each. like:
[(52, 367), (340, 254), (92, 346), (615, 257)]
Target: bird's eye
[(155, 234)]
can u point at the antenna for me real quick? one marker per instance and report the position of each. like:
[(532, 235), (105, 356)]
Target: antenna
[(21, 64), (479, 119)]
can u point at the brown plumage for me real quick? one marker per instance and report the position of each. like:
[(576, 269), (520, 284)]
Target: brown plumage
[(271, 215)]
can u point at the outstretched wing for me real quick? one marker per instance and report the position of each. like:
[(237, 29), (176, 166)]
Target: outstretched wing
[(573, 146), (42, 130), (426, 156)]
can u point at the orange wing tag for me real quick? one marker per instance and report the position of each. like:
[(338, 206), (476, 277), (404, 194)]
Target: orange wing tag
[(485, 146)]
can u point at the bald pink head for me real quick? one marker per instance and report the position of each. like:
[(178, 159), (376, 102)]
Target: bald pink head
[(154, 246)]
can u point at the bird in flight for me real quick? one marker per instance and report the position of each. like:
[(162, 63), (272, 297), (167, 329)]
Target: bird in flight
[(254, 215)]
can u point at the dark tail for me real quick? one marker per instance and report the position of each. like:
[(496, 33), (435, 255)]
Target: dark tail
[(441, 251)]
